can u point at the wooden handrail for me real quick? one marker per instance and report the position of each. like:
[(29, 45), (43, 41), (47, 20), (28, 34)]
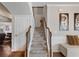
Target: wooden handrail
[(27, 43), (50, 34), (28, 30)]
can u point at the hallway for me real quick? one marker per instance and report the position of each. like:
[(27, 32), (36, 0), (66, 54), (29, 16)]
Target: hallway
[(39, 46)]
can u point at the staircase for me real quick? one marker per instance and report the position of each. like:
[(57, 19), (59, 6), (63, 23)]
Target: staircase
[(39, 44)]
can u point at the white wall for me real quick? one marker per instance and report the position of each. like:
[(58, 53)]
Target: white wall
[(45, 12), (53, 11), (20, 24)]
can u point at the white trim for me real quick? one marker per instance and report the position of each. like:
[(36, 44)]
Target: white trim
[(63, 4)]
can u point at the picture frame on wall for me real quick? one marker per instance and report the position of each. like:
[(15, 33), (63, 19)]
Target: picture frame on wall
[(63, 21), (76, 21)]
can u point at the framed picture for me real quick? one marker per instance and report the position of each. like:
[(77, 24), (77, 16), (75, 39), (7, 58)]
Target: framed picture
[(63, 21), (76, 21), (7, 27)]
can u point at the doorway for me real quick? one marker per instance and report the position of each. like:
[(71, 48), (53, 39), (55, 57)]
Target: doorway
[(6, 21), (37, 13), (5, 35)]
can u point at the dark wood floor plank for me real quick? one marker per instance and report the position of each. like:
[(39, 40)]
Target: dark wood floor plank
[(58, 54), (17, 54)]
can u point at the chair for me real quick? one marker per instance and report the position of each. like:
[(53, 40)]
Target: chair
[(2, 38)]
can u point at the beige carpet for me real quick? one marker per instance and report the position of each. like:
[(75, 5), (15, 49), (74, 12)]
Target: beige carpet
[(39, 47)]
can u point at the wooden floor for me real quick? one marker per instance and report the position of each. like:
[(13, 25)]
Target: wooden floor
[(17, 54), (57, 54), (5, 51), (21, 53)]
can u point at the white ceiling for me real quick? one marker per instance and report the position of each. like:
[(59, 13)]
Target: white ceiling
[(38, 4), (18, 8), (23, 8)]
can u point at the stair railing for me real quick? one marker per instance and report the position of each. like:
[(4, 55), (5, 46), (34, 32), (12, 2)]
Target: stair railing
[(49, 41), (47, 35), (28, 38)]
